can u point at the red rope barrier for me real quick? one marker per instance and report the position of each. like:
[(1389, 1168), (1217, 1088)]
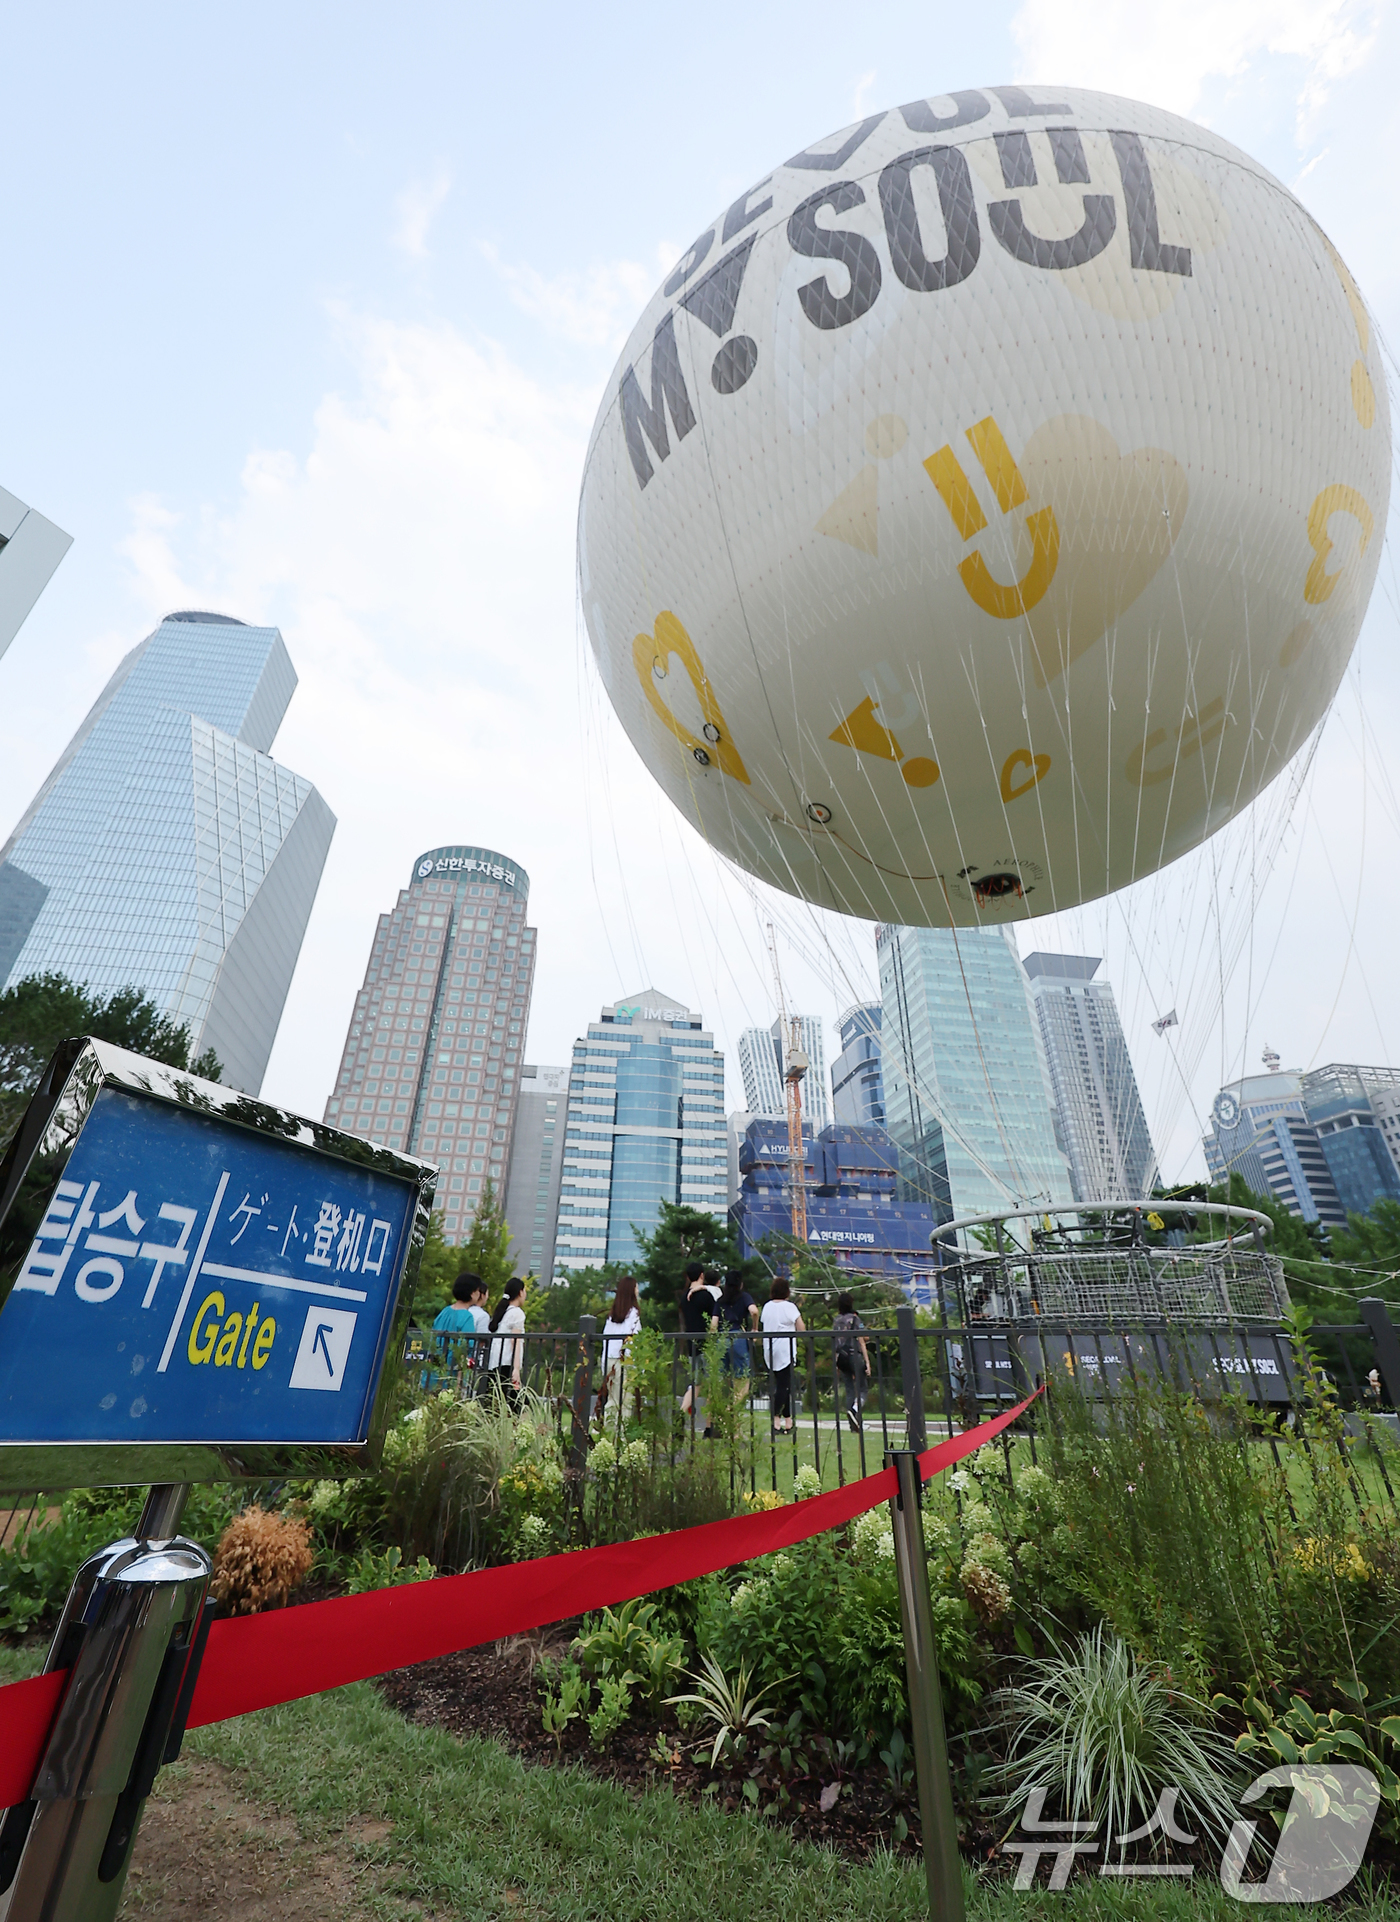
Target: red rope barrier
[(257, 1661)]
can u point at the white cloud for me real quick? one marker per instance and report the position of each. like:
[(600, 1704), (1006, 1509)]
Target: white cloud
[(420, 563), (417, 207), (1167, 55), (860, 100), (592, 309)]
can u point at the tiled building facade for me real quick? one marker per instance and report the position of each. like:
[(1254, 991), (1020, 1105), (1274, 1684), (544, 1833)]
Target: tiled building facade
[(432, 1060)]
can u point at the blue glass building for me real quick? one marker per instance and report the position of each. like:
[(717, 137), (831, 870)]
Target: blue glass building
[(30, 549), (967, 1092), (645, 1125), (167, 851), (857, 1075), (1323, 1143)]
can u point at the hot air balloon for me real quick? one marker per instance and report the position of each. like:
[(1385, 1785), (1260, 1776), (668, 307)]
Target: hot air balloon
[(984, 509)]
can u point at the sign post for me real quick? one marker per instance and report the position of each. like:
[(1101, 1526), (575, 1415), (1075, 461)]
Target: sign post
[(194, 1286), (942, 1864)]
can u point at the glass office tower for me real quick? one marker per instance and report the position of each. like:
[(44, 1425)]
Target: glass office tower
[(857, 1079), (967, 1096), (167, 851), (432, 1058), (30, 549), (646, 1125), (1324, 1143), (1100, 1120)]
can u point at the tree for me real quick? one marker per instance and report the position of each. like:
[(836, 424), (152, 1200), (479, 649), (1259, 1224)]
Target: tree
[(684, 1234), (819, 1278), (44, 1009), (583, 1291), (1368, 1248), (486, 1250), (438, 1267), (1316, 1265)]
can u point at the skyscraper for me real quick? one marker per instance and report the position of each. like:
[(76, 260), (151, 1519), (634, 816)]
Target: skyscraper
[(536, 1165), (966, 1090), (166, 850), (1324, 1143), (431, 1062), (1099, 1115), (761, 1064), (30, 550), (646, 1125), (857, 1079)]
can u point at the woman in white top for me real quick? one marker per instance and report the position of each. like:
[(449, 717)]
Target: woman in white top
[(622, 1323), (507, 1354), (780, 1320)]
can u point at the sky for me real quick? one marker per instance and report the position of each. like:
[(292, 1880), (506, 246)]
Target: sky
[(307, 314)]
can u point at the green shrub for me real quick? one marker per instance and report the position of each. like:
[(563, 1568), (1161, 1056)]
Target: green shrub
[(388, 1570), (37, 1570), (628, 1642), (565, 1697)]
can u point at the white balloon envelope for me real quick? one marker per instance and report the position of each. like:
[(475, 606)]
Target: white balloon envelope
[(984, 510)]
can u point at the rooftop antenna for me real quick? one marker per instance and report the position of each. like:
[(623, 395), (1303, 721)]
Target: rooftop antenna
[(1273, 1061), (795, 1065)]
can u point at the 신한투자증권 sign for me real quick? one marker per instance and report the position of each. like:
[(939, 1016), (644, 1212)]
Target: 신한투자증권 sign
[(194, 1284)]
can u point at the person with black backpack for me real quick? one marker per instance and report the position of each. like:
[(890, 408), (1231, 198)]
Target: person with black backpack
[(852, 1358)]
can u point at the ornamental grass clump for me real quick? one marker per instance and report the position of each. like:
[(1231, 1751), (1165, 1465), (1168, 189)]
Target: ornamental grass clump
[(261, 1560), (1100, 1735)]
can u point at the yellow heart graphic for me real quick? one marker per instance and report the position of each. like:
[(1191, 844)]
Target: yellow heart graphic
[(1118, 517), (653, 651), (1021, 757)]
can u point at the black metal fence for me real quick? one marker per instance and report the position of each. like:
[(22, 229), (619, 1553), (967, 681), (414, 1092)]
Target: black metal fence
[(908, 1385)]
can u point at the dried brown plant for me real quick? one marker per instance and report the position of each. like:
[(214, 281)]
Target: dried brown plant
[(260, 1560)]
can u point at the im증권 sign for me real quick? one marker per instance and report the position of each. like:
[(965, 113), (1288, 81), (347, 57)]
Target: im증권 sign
[(194, 1284)]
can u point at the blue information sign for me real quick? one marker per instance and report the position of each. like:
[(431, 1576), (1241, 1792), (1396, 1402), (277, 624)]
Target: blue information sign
[(196, 1281)]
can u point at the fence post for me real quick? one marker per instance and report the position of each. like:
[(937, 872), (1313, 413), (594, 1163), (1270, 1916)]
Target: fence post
[(942, 1866), (912, 1382), (1376, 1315), (583, 1385)]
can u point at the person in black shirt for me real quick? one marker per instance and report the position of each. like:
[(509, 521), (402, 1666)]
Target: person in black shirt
[(738, 1313), (698, 1318)]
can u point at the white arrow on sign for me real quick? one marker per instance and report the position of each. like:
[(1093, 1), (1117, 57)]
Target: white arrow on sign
[(324, 1349)]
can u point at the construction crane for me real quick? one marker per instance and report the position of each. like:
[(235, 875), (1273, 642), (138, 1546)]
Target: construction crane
[(794, 1065)]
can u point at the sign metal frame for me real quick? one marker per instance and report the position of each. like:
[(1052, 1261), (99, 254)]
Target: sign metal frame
[(30, 1172)]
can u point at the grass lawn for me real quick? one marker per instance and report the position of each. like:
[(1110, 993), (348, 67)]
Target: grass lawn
[(465, 1829)]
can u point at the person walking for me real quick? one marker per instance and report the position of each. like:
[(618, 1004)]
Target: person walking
[(738, 1313), (624, 1319), (779, 1321), (460, 1321), (698, 1318), (852, 1358), (507, 1353)]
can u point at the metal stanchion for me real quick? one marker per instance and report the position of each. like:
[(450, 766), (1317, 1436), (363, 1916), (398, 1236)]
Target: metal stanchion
[(940, 1830), (131, 1636)]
